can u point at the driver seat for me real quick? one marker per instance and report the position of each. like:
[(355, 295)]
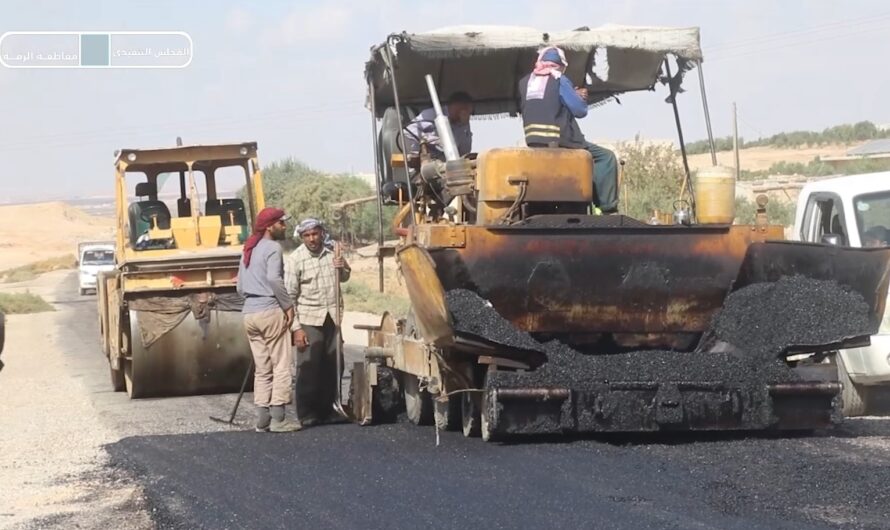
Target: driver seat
[(389, 140), (140, 212)]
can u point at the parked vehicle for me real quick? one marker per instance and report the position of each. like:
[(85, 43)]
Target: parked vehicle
[(852, 211)]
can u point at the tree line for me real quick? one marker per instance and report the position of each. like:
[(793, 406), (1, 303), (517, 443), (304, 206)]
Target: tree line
[(306, 192), (839, 134)]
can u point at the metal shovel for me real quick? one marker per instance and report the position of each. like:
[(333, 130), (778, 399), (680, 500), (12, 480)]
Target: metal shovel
[(338, 400)]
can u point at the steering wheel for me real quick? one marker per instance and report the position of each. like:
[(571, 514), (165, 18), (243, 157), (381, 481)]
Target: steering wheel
[(145, 215)]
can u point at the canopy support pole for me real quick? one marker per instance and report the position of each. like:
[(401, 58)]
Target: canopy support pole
[(395, 94), (673, 99), (704, 102), (377, 182)]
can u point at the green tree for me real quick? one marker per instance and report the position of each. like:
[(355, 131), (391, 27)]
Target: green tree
[(777, 212), (305, 192), (651, 179)]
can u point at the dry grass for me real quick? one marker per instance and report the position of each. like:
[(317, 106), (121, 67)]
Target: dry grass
[(22, 303), (33, 270), (762, 158)]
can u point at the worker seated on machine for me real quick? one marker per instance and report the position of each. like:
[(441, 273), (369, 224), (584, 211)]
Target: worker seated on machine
[(423, 144), (550, 105), (422, 129)]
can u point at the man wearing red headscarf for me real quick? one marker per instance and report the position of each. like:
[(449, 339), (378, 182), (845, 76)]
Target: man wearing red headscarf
[(268, 314)]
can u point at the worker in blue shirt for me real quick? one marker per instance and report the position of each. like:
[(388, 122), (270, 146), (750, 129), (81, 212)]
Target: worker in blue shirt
[(551, 106)]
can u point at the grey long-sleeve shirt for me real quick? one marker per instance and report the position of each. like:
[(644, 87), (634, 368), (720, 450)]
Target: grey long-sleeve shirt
[(424, 127), (262, 283)]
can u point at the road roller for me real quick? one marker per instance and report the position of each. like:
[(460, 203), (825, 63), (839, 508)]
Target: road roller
[(532, 313), (169, 315)]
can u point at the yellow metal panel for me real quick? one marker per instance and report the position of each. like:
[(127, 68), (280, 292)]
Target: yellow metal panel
[(210, 227), (427, 295), (189, 279), (438, 236), (552, 175)]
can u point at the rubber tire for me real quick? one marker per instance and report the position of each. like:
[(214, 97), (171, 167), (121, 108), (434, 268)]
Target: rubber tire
[(484, 425), (447, 414), (118, 380), (853, 396), (418, 404), (83, 292), (471, 414)]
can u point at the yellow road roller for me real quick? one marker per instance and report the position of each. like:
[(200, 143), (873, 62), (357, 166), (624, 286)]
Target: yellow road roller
[(169, 315)]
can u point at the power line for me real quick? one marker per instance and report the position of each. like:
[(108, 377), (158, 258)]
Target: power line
[(803, 31), (796, 41)]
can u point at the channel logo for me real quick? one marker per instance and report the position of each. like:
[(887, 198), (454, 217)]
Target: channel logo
[(94, 49)]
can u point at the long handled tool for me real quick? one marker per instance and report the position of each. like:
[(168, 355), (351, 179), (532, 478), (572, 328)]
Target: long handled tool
[(338, 400), (231, 420)]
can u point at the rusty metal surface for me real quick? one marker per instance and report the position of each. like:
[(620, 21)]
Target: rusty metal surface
[(360, 393), (643, 280), (660, 407), (196, 357), (427, 296)]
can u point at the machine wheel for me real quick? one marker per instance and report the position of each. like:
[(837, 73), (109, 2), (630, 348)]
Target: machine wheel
[(132, 390), (447, 413), (118, 381), (83, 292), (471, 413), (194, 358), (853, 396), (485, 423), (418, 403)]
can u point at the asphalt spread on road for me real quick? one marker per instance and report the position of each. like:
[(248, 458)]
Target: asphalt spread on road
[(394, 476)]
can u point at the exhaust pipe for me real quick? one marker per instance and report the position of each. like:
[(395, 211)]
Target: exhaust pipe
[(443, 127)]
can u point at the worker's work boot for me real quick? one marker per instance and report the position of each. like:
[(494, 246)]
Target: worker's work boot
[(263, 419), (284, 425), (280, 423)]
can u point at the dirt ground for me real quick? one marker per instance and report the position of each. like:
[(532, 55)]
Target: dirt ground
[(57, 410), (53, 229), (760, 158)]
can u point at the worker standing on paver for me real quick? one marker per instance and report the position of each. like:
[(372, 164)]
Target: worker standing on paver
[(268, 314), (310, 275)]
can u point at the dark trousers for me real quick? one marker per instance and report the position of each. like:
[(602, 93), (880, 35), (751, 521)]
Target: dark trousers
[(605, 177), (317, 372)]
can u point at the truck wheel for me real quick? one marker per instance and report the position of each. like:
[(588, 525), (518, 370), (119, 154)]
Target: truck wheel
[(418, 403), (853, 396), (447, 413), (118, 382)]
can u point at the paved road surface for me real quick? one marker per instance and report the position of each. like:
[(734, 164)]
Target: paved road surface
[(192, 473)]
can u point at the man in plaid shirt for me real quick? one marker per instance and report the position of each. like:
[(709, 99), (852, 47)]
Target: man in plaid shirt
[(309, 278)]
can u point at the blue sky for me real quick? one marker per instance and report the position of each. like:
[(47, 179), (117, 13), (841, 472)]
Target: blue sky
[(289, 75)]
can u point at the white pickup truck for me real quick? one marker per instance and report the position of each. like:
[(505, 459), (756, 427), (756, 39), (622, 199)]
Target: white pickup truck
[(93, 257), (852, 211)]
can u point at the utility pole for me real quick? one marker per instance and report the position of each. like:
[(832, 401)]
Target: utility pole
[(735, 139)]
